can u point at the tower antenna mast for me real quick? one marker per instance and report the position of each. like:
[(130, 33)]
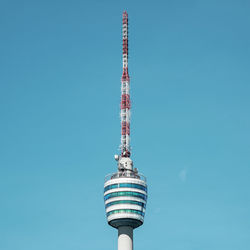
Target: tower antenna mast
[(125, 96)]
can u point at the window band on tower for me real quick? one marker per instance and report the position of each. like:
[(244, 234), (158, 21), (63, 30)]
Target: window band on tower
[(128, 185), (125, 193), (126, 202), (125, 211)]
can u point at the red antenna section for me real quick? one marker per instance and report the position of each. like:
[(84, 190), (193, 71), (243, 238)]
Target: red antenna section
[(125, 96)]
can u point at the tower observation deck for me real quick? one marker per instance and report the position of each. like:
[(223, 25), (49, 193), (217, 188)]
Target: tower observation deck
[(125, 191)]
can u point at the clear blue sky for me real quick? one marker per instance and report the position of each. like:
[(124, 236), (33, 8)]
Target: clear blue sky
[(60, 69)]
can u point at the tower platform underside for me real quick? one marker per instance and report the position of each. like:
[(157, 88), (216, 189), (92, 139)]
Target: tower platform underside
[(116, 223)]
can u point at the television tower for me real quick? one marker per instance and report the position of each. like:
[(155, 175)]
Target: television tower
[(125, 192)]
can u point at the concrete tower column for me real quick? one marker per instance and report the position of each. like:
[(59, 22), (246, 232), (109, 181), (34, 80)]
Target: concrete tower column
[(125, 238)]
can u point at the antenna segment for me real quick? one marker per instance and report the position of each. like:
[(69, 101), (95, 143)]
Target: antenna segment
[(125, 96)]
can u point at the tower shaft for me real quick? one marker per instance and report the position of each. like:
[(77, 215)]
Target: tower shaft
[(125, 238), (125, 96)]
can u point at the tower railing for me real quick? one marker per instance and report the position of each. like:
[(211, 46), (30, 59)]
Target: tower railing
[(125, 174)]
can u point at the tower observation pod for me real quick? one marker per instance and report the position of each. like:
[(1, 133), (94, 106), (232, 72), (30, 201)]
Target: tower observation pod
[(125, 191)]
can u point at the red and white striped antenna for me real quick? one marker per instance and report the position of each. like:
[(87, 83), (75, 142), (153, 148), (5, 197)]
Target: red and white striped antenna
[(125, 96)]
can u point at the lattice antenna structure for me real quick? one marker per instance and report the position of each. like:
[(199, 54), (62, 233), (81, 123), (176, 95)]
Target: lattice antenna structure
[(125, 96)]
